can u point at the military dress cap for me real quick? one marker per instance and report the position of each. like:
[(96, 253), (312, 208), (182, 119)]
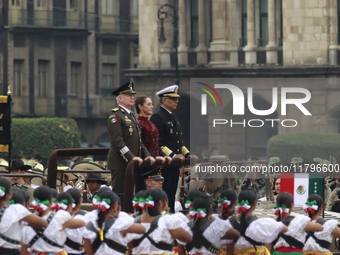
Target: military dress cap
[(127, 88), (19, 164), (154, 174), (171, 91)]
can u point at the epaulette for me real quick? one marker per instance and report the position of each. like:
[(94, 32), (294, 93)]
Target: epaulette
[(122, 109), (115, 109)]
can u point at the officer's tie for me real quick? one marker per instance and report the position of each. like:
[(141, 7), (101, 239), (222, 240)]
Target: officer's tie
[(133, 117)]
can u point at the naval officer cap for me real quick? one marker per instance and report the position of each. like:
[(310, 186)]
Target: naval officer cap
[(154, 174), (171, 91), (127, 88)]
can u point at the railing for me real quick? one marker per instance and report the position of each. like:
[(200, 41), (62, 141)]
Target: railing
[(77, 20)]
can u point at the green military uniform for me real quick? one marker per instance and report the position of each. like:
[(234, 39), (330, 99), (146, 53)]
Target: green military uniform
[(25, 187), (125, 140)]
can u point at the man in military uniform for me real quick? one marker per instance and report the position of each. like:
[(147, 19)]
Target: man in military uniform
[(153, 179), (18, 167), (125, 137), (170, 138)]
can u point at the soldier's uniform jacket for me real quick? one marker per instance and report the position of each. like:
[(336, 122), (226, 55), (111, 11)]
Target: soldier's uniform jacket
[(170, 134), (126, 141), (25, 187)]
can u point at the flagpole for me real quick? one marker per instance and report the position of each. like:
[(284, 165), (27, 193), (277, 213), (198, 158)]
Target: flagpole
[(9, 99)]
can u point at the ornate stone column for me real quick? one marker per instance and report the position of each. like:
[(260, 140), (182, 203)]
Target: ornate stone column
[(333, 29), (271, 53), (250, 47), (182, 32), (202, 51)]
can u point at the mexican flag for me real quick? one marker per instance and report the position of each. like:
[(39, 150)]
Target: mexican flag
[(301, 185)]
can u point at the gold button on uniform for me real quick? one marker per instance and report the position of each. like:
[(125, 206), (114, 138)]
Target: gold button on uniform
[(177, 141), (176, 133)]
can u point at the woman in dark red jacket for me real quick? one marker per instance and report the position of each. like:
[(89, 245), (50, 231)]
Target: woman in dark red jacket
[(150, 134)]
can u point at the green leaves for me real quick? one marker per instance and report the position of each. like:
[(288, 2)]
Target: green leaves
[(56, 133), (307, 144)]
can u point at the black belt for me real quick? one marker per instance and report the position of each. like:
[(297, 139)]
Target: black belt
[(9, 240), (9, 251), (74, 245)]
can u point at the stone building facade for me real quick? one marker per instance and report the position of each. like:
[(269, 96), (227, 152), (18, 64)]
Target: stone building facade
[(245, 39), (64, 58)]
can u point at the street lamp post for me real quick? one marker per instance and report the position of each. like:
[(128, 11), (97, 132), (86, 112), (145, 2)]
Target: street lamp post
[(163, 14)]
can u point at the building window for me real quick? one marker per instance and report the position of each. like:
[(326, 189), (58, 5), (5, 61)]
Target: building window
[(108, 76), (107, 7), (135, 8), (75, 78), (41, 3), (43, 77), (194, 23), (74, 4), (243, 40), (17, 77), (263, 41), (16, 3)]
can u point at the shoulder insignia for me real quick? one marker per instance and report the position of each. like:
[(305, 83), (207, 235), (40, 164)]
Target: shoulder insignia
[(112, 116), (122, 110), (115, 109)]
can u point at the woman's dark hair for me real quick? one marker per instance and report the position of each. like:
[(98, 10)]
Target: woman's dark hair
[(25, 195), (156, 196), (54, 193), (75, 194), (231, 196), (118, 199), (246, 195), (140, 194), (285, 199), (65, 195), (164, 195), (113, 199), (17, 198), (140, 101), (200, 202), (319, 203), (192, 194), (102, 190), (6, 184), (43, 193)]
